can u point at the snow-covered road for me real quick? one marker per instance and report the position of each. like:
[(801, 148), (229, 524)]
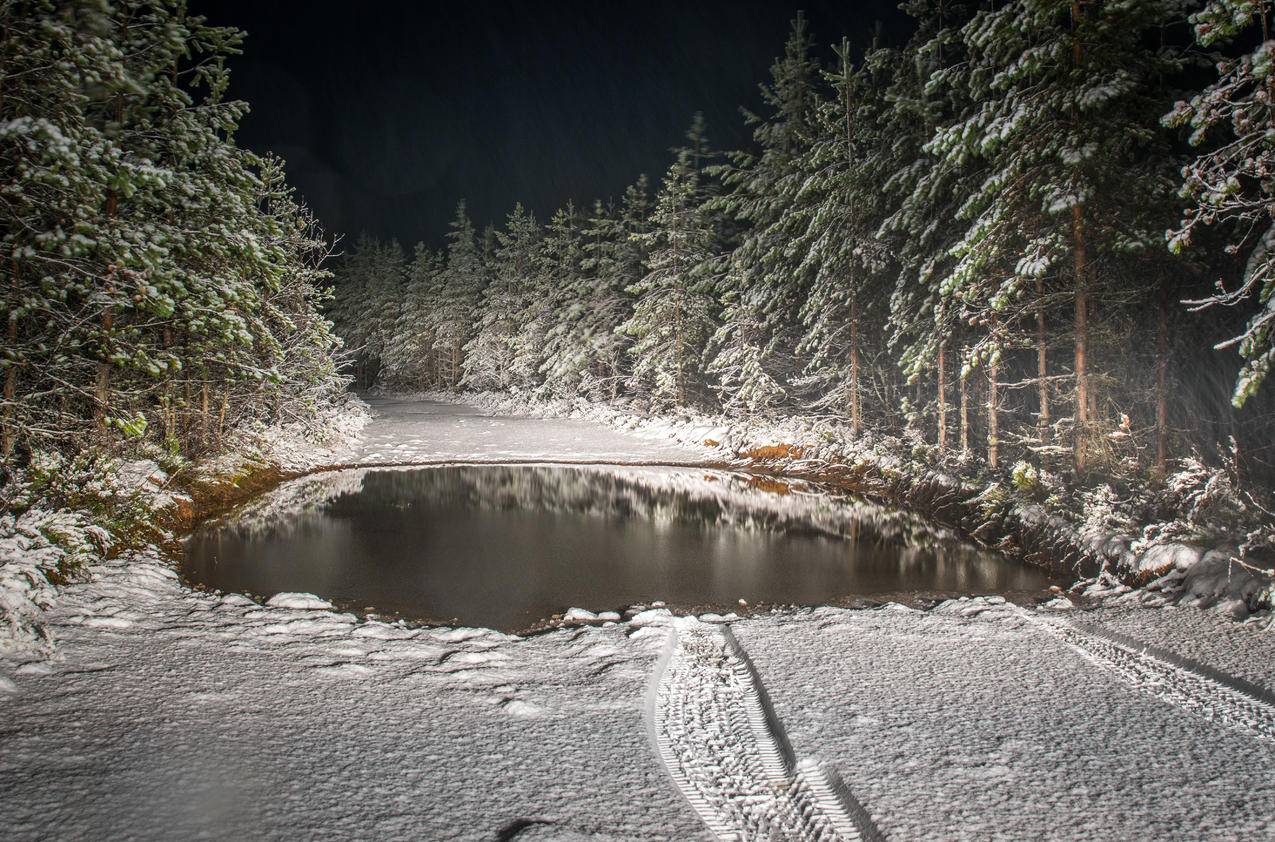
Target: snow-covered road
[(176, 714)]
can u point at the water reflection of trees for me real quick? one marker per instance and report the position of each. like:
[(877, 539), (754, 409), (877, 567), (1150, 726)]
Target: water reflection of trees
[(284, 503), (371, 533), (680, 496)]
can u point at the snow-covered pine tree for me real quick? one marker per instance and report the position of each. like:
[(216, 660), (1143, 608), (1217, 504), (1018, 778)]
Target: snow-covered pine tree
[(367, 304), (354, 274), (295, 353), (491, 356), (383, 301), (735, 371), (924, 191), (1232, 184), (607, 303), (147, 253), (408, 356), (210, 262), (463, 281), (673, 312), (563, 357), (1062, 97), (833, 223), (752, 353), (590, 264), (538, 315), (54, 185), (625, 264)]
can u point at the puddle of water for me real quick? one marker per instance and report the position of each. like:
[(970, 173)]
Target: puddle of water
[(506, 546)]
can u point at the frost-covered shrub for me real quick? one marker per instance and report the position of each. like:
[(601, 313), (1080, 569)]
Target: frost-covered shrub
[(1211, 505), (110, 495), (1207, 496), (1102, 512), (295, 444), (1025, 477), (1034, 482), (992, 499)]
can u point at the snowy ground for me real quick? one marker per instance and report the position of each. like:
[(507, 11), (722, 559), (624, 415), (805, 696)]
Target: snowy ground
[(174, 714), (422, 431)]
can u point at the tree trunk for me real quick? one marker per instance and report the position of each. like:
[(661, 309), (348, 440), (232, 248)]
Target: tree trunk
[(221, 418), (942, 399), (677, 349), (1161, 382), (9, 433), (1082, 295), (204, 426), (187, 403), (102, 388), (856, 420), (965, 404), (1042, 367), (677, 322), (9, 436), (1081, 340), (993, 415), (1091, 386), (166, 408)]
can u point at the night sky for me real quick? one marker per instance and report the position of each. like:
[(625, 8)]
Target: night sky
[(389, 112)]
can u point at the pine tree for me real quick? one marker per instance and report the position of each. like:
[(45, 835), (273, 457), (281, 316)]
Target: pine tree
[(563, 358), (491, 356), (346, 308), (156, 272), (408, 356), (672, 316), (463, 281), (761, 291), (606, 303), (1061, 95), (834, 224), (618, 266), (295, 350), (1231, 184), (924, 192)]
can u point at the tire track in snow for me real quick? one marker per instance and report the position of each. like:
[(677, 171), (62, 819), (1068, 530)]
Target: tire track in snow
[(716, 733), (1206, 692)]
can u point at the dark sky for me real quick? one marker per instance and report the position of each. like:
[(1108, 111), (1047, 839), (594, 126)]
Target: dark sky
[(389, 112)]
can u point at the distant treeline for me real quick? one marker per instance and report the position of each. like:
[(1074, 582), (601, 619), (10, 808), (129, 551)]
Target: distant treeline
[(157, 282), (1043, 227)]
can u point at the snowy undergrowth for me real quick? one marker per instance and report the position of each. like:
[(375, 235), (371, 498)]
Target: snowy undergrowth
[(36, 548), (294, 446), (1194, 539), (64, 517)]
